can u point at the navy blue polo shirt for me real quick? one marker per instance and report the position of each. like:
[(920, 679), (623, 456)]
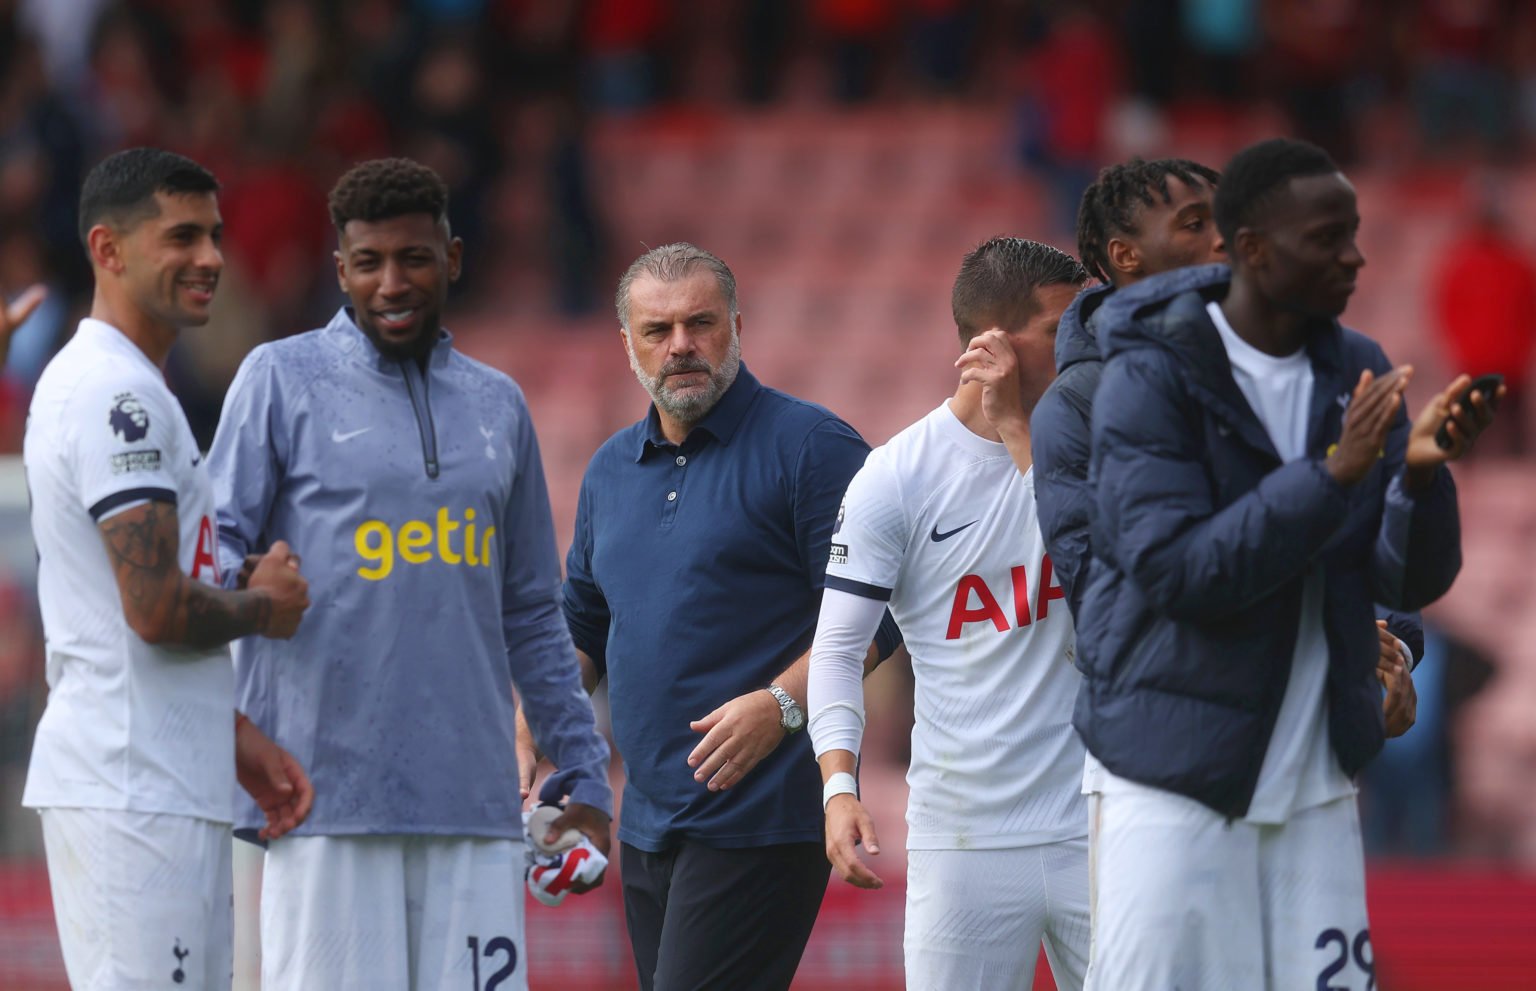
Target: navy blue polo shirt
[(695, 576)]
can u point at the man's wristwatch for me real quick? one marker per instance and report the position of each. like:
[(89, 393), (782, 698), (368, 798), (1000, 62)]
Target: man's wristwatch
[(791, 717)]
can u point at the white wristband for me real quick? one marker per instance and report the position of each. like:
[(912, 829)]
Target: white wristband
[(840, 783)]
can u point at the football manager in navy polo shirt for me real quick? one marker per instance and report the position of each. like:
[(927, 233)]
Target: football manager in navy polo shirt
[(693, 584)]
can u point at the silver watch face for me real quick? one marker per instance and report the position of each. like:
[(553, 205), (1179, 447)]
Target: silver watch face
[(792, 716)]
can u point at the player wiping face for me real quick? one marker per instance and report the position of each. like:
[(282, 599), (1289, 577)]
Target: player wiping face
[(1003, 373), (1014, 367), (995, 769)]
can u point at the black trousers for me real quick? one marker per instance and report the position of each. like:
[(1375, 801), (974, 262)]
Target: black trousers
[(702, 919)]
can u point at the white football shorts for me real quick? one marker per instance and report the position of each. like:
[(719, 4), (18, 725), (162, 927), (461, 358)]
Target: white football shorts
[(976, 918), (141, 900), (417, 912), (1186, 899)]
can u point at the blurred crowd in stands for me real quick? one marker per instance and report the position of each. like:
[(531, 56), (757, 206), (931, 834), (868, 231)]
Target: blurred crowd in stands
[(279, 96)]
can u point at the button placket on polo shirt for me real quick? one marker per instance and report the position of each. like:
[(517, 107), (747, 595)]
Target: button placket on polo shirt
[(672, 494)]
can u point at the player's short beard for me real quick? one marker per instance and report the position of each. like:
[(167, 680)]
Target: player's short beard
[(694, 406), (414, 349)]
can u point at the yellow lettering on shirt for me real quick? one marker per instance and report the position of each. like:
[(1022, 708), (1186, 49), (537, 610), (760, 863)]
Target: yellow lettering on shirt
[(375, 545), (421, 542), (414, 537), (445, 528)]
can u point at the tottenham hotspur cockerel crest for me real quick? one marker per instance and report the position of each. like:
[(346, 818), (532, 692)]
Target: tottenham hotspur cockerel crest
[(129, 418)]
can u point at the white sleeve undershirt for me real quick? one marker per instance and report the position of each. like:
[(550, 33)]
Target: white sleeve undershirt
[(835, 692)]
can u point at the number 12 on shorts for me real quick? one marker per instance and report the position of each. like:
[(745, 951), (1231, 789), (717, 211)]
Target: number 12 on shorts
[(1365, 959), (493, 951)]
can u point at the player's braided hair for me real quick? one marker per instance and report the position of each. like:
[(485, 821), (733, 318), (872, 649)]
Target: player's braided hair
[(997, 282), (120, 190), (1110, 205), (1257, 173), (388, 187)]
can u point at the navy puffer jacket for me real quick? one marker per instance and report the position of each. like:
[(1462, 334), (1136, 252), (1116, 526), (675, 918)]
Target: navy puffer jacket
[(1060, 437), (1202, 540)]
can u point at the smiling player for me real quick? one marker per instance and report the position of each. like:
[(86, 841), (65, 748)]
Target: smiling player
[(137, 753), (413, 475)]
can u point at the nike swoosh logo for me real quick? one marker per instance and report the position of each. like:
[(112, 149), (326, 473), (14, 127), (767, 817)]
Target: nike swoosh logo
[(197, 460), (936, 536), (342, 438)]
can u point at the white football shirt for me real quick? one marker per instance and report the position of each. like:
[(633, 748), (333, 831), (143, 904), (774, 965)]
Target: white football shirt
[(941, 523), (128, 725)]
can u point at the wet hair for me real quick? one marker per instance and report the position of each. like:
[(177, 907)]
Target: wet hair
[(669, 263), (1110, 205), (385, 188), (1257, 174), (997, 282), (120, 190)]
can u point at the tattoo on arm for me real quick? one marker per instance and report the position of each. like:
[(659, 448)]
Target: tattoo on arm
[(160, 602), (216, 617)]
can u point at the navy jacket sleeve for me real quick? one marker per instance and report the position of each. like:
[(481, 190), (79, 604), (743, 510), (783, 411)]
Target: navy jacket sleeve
[(1407, 627), (1418, 549), (1418, 546), (1060, 432), (1434, 542), (1192, 560), (832, 454), (586, 610)]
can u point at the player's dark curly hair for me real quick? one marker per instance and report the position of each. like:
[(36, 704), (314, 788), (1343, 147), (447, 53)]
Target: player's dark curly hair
[(1259, 172), (997, 282), (1110, 205), (121, 189), (385, 188)]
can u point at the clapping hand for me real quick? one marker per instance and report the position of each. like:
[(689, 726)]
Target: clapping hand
[(1371, 410)]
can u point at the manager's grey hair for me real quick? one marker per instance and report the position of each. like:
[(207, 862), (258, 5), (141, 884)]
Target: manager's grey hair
[(669, 263)]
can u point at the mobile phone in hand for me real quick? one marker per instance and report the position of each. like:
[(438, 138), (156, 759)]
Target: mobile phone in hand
[(1488, 386)]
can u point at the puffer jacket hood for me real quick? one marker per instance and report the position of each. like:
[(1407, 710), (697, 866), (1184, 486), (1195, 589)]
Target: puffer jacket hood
[(1074, 338)]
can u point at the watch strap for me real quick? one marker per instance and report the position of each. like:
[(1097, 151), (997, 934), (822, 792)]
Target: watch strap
[(786, 704)]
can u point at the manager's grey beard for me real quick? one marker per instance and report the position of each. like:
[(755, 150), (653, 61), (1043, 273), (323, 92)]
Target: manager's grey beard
[(691, 408)]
